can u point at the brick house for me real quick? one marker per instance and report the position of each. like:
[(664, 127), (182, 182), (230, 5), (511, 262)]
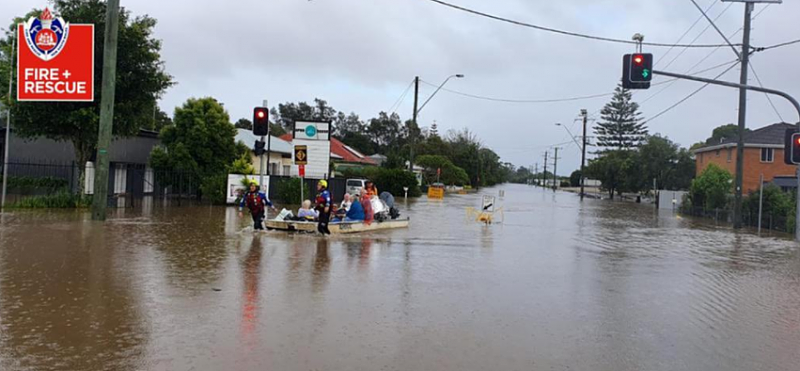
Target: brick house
[(763, 154)]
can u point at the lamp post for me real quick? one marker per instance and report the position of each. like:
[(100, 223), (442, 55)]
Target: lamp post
[(417, 110)]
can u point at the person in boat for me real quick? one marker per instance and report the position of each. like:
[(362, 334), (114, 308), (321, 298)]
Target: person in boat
[(356, 212), (323, 206), (372, 191), (306, 213), (348, 200), (256, 201), (366, 204)]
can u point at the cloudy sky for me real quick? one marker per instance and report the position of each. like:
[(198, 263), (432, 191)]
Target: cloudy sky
[(361, 55)]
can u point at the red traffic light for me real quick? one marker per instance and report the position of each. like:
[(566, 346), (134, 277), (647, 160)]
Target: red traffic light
[(797, 141), (638, 59), (260, 114)]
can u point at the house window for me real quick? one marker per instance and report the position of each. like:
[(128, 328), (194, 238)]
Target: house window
[(717, 153), (767, 154), (273, 168), (701, 158), (730, 151), (286, 170)]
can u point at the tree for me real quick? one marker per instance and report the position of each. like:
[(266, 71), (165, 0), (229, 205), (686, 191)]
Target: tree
[(621, 126), (288, 113), (244, 123), (200, 145), (384, 131), (723, 132), (450, 173), (712, 188), (140, 81), (575, 179), (611, 170)]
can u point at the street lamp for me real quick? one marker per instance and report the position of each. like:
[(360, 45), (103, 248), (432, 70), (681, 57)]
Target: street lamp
[(458, 76), (570, 135), (416, 111)]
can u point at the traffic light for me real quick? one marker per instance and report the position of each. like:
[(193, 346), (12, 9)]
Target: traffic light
[(791, 151), (260, 121), (259, 148), (637, 70)]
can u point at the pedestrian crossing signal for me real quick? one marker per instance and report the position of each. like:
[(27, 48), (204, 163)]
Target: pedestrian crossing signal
[(637, 70)]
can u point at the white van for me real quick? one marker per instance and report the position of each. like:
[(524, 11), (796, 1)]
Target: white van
[(354, 186)]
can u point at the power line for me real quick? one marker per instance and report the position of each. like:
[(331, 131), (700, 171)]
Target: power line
[(396, 105), (777, 45), (713, 3), (765, 94), (715, 27), (569, 33), (699, 36), (689, 96)]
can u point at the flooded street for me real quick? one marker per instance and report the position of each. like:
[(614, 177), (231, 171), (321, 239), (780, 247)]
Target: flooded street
[(560, 285)]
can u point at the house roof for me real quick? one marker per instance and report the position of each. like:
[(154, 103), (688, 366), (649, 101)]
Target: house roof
[(342, 152), (785, 181), (276, 144), (771, 135)]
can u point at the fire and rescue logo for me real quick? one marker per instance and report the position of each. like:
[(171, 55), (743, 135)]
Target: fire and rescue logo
[(46, 35)]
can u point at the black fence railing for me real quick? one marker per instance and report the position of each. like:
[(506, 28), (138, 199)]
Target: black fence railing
[(127, 183), (769, 221)]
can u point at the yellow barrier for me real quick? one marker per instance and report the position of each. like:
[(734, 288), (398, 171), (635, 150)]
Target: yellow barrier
[(434, 192)]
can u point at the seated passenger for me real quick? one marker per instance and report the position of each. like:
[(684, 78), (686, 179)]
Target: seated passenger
[(372, 191), (356, 212), (306, 213), (346, 203)]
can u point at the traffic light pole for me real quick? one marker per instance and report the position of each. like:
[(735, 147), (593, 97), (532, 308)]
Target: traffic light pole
[(583, 153), (758, 89)]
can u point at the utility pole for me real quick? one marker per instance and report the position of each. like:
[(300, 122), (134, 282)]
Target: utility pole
[(585, 115), (544, 174), (536, 170), (100, 199), (555, 170), (414, 121), (745, 58), (7, 143)]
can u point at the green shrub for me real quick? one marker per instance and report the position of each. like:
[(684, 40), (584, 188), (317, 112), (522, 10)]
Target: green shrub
[(213, 188), (712, 188), (776, 202), (61, 200), (288, 191), (27, 182)]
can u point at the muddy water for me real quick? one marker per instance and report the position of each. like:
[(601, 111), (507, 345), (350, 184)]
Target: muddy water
[(559, 285)]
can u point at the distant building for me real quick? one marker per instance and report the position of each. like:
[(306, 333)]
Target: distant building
[(280, 155), (763, 154), (342, 155)]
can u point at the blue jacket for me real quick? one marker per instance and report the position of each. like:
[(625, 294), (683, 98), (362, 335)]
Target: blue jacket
[(356, 211)]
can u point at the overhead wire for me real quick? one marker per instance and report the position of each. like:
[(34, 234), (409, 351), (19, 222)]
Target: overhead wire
[(562, 32), (713, 3), (688, 96), (399, 101)]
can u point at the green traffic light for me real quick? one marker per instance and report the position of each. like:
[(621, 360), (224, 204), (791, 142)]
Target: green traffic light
[(645, 73)]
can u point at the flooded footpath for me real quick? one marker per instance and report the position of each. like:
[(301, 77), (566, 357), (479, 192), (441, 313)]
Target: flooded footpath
[(559, 285)]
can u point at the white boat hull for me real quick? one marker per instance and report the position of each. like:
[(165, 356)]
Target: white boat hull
[(335, 228)]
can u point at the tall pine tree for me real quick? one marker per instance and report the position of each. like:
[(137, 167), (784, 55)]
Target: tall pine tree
[(621, 126)]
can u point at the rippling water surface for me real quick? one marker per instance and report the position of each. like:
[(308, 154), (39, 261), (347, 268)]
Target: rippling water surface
[(559, 285)]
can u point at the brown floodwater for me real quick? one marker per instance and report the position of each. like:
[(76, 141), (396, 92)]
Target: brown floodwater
[(560, 285)]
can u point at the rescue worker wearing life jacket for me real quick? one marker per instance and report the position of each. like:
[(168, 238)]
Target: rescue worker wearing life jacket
[(323, 206), (256, 201)]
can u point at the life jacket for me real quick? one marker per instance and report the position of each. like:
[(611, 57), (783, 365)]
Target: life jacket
[(322, 200), (254, 202)]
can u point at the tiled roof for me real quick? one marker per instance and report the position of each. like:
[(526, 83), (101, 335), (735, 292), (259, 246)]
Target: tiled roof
[(342, 152), (770, 135)]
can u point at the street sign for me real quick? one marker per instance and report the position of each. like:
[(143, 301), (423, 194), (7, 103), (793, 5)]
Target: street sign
[(302, 170), (55, 60), (301, 155)]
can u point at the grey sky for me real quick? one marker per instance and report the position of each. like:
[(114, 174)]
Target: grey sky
[(360, 55)]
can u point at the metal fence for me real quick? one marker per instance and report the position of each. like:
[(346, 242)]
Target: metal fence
[(769, 221), (127, 183)]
